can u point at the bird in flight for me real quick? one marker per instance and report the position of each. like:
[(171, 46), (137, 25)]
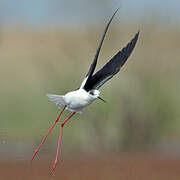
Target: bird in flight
[(88, 91)]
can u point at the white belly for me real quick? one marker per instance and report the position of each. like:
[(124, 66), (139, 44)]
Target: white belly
[(76, 100)]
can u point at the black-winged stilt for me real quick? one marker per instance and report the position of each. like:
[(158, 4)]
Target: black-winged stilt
[(75, 101)]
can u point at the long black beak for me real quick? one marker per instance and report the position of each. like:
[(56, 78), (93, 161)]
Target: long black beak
[(101, 99)]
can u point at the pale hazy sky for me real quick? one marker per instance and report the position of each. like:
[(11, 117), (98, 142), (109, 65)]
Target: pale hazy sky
[(40, 13)]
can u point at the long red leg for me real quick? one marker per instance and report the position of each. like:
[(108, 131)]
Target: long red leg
[(59, 140), (36, 151)]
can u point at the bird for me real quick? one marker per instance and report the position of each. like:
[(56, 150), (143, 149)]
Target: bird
[(75, 101)]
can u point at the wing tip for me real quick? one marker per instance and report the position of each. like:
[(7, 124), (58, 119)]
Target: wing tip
[(116, 11), (137, 35)]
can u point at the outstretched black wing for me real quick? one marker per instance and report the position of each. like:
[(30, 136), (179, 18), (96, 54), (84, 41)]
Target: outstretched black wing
[(112, 67), (93, 65)]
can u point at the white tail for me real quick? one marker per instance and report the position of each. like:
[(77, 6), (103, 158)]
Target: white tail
[(57, 99)]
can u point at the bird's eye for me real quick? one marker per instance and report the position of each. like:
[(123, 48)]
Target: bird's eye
[(91, 92)]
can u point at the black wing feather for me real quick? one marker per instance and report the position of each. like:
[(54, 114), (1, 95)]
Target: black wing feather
[(112, 67), (93, 65)]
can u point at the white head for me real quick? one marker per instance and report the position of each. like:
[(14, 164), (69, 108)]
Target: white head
[(95, 94)]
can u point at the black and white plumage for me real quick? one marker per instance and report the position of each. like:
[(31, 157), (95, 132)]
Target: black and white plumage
[(76, 100)]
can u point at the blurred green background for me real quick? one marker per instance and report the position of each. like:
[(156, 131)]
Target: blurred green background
[(47, 47)]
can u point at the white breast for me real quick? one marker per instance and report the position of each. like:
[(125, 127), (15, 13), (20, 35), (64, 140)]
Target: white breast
[(76, 100)]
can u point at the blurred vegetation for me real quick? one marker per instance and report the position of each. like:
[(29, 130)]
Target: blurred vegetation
[(143, 100)]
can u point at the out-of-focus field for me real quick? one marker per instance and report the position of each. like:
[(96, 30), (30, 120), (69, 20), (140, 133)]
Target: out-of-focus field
[(126, 166), (143, 100), (141, 113)]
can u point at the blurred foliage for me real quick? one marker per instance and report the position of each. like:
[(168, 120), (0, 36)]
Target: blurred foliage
[(143, 100)]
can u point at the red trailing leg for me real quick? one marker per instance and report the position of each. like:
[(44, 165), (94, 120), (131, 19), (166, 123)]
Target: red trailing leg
[(36, 151), (59, 141)]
